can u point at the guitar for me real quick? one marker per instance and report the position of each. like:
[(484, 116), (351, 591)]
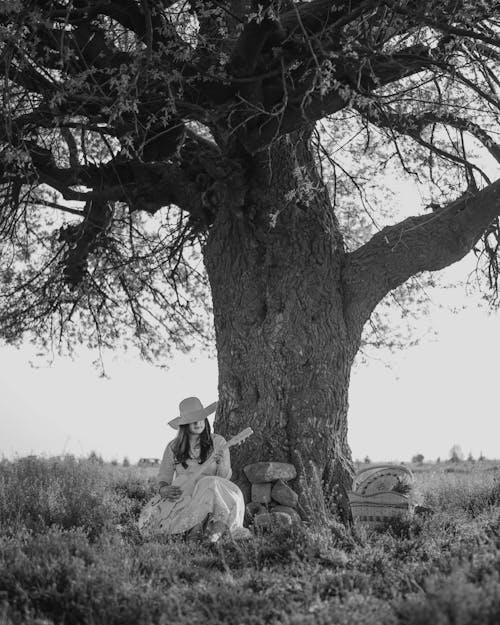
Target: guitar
[(188, 485)]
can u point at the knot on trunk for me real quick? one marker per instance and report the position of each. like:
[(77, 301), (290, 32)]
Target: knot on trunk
[(220, 184)]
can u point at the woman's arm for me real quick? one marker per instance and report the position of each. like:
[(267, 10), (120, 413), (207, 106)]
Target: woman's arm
[(224, 464), (167, 467), (166, 475)]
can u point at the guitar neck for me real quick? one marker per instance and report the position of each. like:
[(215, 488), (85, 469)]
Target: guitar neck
[(199, 470)]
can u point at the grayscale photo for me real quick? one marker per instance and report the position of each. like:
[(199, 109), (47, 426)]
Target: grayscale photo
[(249, 312)]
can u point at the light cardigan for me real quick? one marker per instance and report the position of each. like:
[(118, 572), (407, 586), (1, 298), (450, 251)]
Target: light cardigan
[(169, 468)]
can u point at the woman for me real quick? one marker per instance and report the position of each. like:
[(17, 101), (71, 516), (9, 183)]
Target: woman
[(194, 493)]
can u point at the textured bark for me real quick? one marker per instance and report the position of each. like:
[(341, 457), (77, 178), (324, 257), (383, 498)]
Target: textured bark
[(290, 306), (284, 353)]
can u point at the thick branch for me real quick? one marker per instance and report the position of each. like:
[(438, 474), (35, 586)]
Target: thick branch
[(25, 76), (84, 238), (383, 70), (199, 180), (125, 12), (459, 123), (142, 186), (72, 147), (422, 243)]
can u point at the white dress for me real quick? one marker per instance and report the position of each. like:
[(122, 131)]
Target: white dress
[(211, 492)]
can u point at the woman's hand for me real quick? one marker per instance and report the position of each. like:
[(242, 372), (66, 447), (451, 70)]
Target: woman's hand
[(170, 493), (218, 456)]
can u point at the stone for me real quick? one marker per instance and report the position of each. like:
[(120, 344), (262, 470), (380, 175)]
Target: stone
[(283, 494), (270, 520), (269, 472), (242, 533), (261, 492), (254, 507), (292, 513)]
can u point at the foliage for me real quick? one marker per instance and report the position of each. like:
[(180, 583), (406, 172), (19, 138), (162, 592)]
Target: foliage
[(66, 493), (129, 126), (439, 569)]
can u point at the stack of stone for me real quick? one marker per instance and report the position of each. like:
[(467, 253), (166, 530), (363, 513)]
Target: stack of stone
[(273, 502)]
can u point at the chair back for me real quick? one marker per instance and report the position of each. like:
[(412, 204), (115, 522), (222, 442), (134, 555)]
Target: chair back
[(381, 492), (383, 477)]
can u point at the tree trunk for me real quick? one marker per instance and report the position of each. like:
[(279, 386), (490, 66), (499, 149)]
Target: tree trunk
[(284, 352)]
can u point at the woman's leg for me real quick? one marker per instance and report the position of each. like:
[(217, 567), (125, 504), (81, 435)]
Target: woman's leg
[(221, 499)]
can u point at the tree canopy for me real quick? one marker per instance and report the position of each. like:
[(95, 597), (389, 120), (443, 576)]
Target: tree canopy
[(127, 125)]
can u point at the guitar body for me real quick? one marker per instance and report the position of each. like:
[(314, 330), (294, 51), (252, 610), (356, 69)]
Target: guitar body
[(187, 486), (172, 517)]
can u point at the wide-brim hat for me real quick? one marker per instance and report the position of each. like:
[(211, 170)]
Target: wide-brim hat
[(191, 410)]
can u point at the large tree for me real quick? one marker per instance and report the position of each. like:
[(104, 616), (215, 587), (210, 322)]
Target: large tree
[(137, 132)]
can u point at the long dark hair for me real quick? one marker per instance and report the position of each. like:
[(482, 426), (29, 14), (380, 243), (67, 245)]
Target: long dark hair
[(180, 446)]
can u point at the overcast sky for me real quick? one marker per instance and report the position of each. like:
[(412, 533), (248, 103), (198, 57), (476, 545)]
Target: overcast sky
[(422, 400)]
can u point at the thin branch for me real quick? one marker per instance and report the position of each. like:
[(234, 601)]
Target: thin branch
[(60, 207)]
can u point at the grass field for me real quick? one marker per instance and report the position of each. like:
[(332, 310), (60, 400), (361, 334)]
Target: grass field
[(70, 553)]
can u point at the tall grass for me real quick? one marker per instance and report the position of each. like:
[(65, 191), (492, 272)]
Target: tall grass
[(70, 553), (471, 488), (36, 493)]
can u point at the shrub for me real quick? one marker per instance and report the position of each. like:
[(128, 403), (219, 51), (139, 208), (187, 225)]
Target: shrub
[(64, 492), (60, 576), (454, 600), (471, 491)]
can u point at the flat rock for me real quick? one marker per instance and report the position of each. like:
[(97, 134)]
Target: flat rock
[(261, 492), (269, 520), (282, 493), (292, 513), (269, 472)]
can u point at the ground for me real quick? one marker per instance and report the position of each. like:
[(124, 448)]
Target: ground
[(70, 553)]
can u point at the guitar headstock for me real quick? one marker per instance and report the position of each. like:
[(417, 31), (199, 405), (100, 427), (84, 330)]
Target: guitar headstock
[(239, 438)]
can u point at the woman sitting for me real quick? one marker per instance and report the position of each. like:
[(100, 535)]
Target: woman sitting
[(195, 494)]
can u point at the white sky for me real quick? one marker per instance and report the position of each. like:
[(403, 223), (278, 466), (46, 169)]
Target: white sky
[(439, 393)]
